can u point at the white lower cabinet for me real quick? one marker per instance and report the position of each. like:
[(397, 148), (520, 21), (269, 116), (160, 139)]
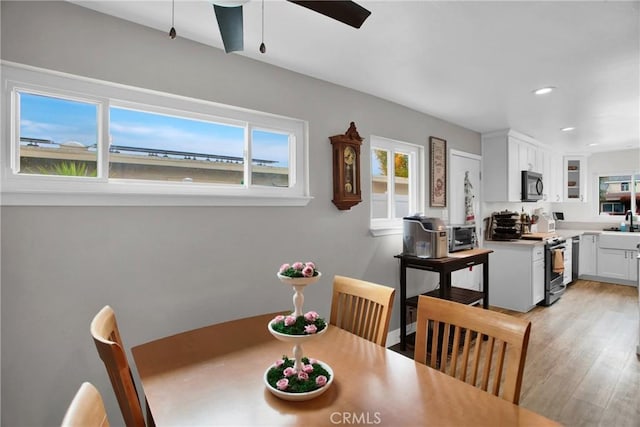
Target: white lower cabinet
[(616, 257), (632, 259), (516, 275), (617, 264), (537, 280), (568, 267), (588, 255), (612, 263)]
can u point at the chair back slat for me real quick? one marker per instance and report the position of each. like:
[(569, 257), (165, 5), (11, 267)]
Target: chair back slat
[(106, 337), (362, 308), (499, 366), (454, 352), (499, 352), (487, 364), (434, 343)]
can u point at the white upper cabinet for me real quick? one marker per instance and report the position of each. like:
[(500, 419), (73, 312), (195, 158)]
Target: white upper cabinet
[(505, 154), (575, 179), (552, 176)]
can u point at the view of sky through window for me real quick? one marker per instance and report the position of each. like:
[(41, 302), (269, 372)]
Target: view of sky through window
[(58, 120), (61, 120)]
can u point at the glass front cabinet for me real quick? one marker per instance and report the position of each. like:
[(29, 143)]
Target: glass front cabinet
[(575, 179)]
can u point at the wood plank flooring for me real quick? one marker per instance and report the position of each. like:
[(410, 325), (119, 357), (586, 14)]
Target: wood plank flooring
[(582, 368)]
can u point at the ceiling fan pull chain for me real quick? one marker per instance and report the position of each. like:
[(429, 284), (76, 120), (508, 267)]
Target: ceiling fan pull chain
[(263, 48), (172, 31)]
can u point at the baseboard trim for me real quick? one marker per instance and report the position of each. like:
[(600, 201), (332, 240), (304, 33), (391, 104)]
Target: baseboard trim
[(393, 337), (608, 280)]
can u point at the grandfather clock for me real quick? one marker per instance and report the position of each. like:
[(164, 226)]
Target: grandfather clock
[(346, 168)]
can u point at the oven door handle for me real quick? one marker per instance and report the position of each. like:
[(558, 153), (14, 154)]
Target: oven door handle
[(560, 291)]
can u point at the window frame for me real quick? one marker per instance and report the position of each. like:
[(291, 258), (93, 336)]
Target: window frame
[(34, 189), (633, 182), (390, 224)]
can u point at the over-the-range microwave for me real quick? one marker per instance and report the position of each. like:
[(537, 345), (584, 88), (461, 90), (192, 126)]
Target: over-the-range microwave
[(532, 186)]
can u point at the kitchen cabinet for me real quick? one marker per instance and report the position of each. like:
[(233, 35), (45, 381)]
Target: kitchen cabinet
[(613, 263), (505, 154), (616, 257), (575, 178), (516, 275), (568, 267), (588, 255), (552, 176), (537, 276)]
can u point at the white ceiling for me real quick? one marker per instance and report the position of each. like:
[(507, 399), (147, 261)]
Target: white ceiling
[(471, 63)]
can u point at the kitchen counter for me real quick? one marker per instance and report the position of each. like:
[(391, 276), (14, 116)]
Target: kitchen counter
[(566, 233), (514, 242)]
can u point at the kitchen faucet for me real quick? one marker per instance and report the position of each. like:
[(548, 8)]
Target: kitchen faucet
[(629, 216)]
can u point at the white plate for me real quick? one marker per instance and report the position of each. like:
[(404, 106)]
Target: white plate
[(299, 280), (296, 397)]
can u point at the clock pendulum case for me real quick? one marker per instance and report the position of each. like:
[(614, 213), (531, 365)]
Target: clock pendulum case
[(346, 168)]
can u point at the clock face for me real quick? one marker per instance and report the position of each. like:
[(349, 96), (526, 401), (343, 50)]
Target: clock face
[(349, 170), (349, 155)]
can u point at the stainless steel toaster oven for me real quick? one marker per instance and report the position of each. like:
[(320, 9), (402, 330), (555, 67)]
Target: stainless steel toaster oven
[(462, 237)]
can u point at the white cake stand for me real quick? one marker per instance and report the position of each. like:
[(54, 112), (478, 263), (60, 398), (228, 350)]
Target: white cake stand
[(298, 284)]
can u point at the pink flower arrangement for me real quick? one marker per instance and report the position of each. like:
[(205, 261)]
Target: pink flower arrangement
[(298, 269), (283, 376), (308, 324)]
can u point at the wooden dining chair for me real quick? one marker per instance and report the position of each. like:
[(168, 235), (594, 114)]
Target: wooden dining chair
[(362, 308), (86, 409), (497, 336), (106, 336)]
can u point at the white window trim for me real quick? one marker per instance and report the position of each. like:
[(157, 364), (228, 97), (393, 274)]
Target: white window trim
[(387, 226), (603, 217), (77, 191)]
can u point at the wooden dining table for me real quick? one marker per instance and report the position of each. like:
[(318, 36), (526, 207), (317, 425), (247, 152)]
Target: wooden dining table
[(213, 376)]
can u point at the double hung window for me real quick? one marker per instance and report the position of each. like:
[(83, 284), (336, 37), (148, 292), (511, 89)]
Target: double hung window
[(397, 169), (71, 137)]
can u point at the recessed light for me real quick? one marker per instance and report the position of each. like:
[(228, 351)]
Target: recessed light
[(544, 90), (567, 129), (593, 144)]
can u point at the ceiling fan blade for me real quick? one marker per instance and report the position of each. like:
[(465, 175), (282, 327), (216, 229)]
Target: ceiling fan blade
[(347, 12), (230, 24)]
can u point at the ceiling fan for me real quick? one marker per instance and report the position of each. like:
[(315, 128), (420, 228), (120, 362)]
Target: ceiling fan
[(229, 16)]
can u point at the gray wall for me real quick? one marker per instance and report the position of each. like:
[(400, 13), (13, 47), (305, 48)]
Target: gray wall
[(169, 269)]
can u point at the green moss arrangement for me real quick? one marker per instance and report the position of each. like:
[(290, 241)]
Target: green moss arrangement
[(283, 377), (307, 324)]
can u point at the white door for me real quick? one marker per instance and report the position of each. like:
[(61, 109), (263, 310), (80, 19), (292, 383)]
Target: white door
[(460, 163)]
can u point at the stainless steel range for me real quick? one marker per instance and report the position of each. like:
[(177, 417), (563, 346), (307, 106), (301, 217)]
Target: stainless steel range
[(554, 252)]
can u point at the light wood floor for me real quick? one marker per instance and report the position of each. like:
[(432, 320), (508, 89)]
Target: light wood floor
[(582, 368)]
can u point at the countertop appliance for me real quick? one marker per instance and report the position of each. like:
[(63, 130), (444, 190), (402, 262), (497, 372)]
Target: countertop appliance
[(531, 186), (554, 250), (545, 224), (424, 237), (462, 237)]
